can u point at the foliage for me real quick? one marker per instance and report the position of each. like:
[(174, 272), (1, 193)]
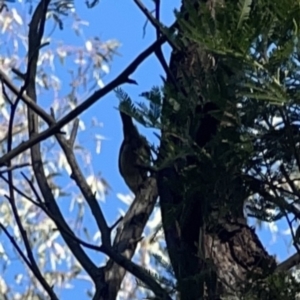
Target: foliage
[(259, 58)]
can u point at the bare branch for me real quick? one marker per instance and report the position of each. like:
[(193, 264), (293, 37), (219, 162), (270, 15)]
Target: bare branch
[(28, 100), (19, 73), (159, 32), (36, 30), (129, 233), (138, 272), (22, 193), (125, 263), (30, 266), (116, 223), (14, 167), (89, 196), (16, 246), (30, 261), (34, 190), (155, 21)]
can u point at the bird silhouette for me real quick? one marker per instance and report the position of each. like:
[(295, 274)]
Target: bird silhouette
[(134, 155)]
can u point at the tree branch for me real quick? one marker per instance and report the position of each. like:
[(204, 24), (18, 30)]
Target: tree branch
[(159, 33), (36, 30), (129, 233), (289, 263), (30, 259)]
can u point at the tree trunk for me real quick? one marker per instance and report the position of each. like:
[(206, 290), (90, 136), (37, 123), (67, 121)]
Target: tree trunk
[(212, 250)]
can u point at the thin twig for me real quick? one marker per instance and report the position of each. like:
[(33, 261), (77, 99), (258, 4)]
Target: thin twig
[(33, 189), (73, 134), (14, 167), (155, 22), (16, 246), (36, 32), (159, 33), (22, 193)]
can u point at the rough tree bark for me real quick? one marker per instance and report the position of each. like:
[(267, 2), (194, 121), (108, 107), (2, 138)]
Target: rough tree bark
[(213, 254)]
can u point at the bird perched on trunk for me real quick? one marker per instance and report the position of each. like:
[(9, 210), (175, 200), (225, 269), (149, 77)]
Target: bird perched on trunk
[(134, 155)]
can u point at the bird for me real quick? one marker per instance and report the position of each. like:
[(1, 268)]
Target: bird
[(134, 155)]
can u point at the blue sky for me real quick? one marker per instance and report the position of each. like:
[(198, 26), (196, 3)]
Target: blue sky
[(123, 21)]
